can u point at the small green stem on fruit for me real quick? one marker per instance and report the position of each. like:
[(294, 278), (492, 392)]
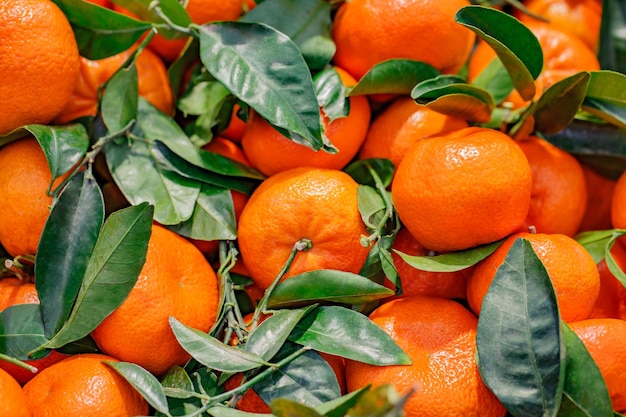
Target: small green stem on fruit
[(388, 214), (233, 319), (155, 6), (18, 362), (302, 245)]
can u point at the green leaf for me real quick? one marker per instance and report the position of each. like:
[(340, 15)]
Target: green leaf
[(519, 323), (393, 76), (282, 407), (495, 79), (224, 411), (450, 262), (602, 147), (66, 244), (136, 172), (610, 260), (267, 339), (344, 332), (606, 98), (308, 26), (308, 379), (213, 216), (119, 102), (101, 32), (516, 46), (584, 391), (361, 171), (176, 383), (331, 94), (211, 352), (595, 242), (144, 382), (63, 146), (450, 95), (173, 9), (241, 55), (371, 206), (21, 330), (326, 285), (112, 271), (380, 401), (560, 102), (340, 406)]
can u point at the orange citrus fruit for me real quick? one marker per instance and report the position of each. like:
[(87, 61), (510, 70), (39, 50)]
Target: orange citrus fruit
[(367, 32), (571, 269), (270, 152), (12, 398), (16, 291), (580, 18), (302, 203), (439, 335), (175, 281), (563, 55), (236, 126), (24, 180), (39, 62), (153, 84), (598, 207), (604, 339), (611, 301), (83, 385), (618, 203), (419, 282), (559, 196), (400, 125), (461, 189)]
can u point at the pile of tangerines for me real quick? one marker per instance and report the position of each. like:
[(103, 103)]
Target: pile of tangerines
[(154, 211)]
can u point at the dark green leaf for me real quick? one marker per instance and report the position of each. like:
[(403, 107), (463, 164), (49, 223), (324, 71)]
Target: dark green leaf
[(119, 102), (308, 379), (113, 269), (282, 407), (331, 95), (450, 95), (204, 381), (101, 32), (203, 97), (606, 98), (371, 206), (343, 332), (241, 55), (450, 262), (213, 216), (144, 382), (394, 76), (267, 339), (361, 171), (560, 102), (222, 411), (495, 79), (147, 11), (21, 330), (519, 323), (136, 172), (340, 406), (602, 147), (308, 26), (326, 285), (610, 260), (380, 401), (211, 352), (66, 244), (516, 46), (63, 146), (595, 242), (584, 391)]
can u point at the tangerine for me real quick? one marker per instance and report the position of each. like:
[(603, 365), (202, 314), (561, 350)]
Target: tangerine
[(12, 398)]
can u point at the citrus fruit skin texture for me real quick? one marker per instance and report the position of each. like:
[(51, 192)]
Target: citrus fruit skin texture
[(16, 291), (618, 204), (153, 84), (604, 339), (270, 152), (367, 32), (176, 281), (419, 282), (581, 18), (83, 386), (38, 62), (599, 195), (24, 179), (572, 271), (402, 124), (462, 189), (12, 398), (440, 337), (302, 203), (559, 195), (611, 301)]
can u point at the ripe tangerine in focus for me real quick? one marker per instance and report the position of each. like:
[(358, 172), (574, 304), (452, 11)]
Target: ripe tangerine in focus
[(572, 271), (175, 281), (317, 204), (461, 189), (12, 398), (440, 337)]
